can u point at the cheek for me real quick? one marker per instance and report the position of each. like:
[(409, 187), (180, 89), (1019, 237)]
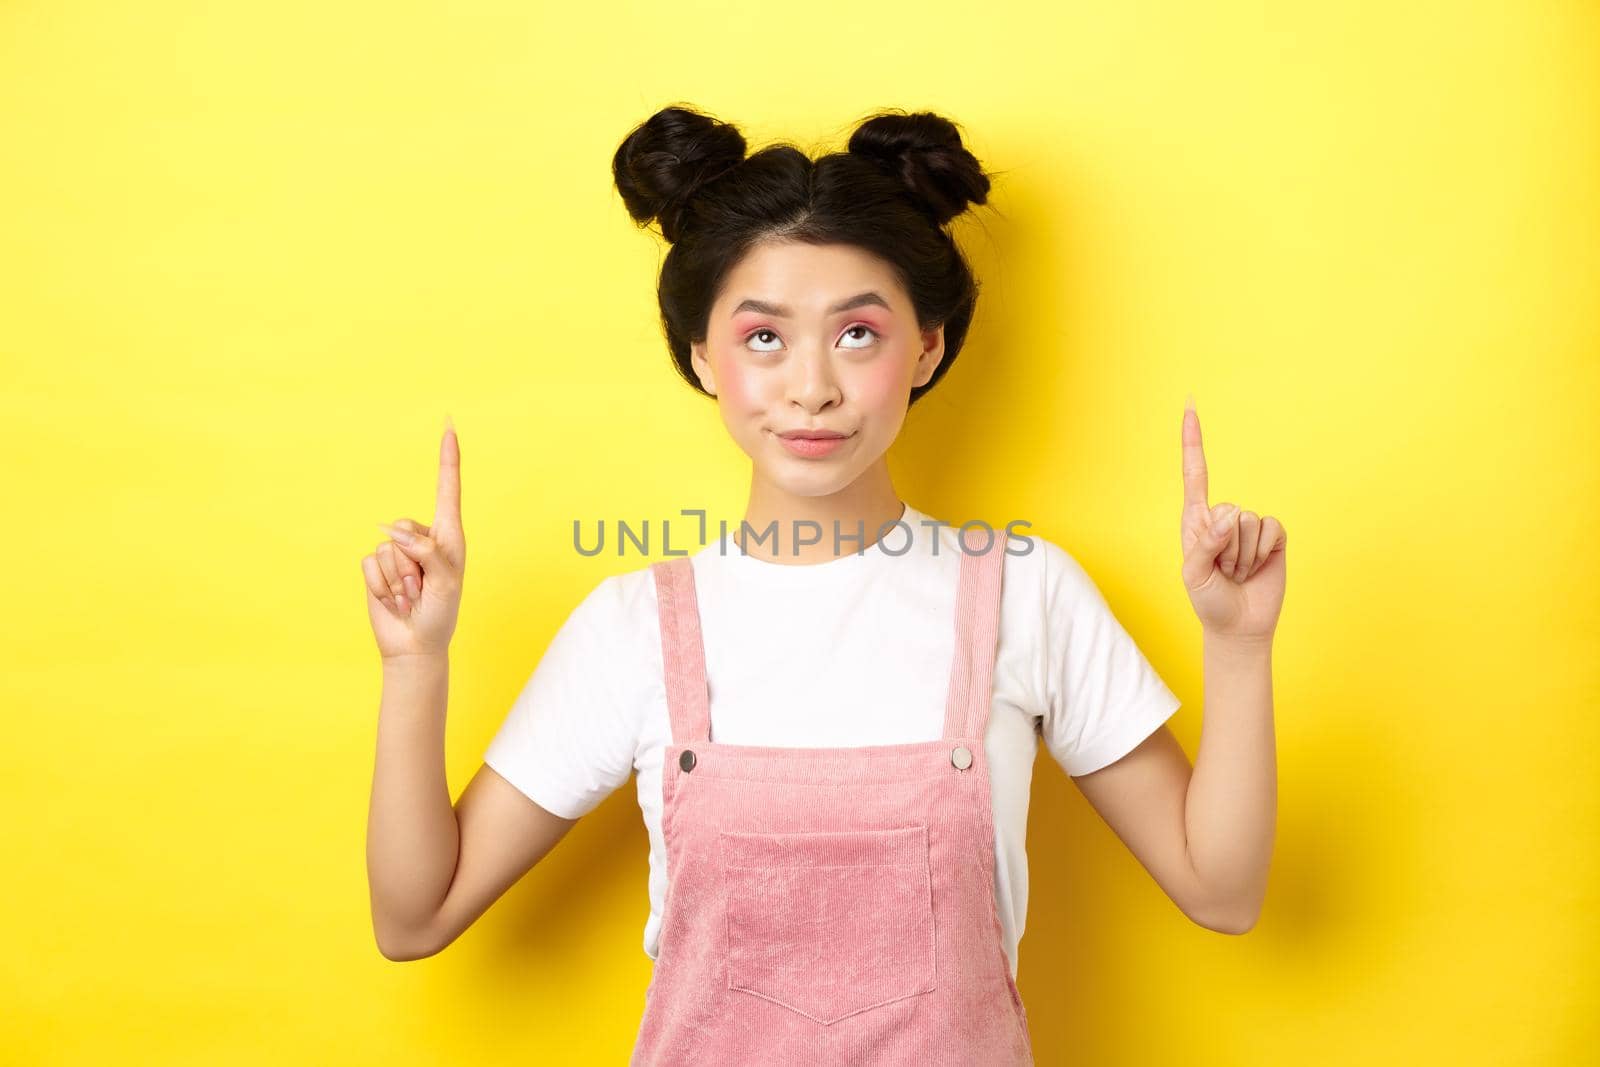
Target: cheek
[(747, 388), (881, 385), (735, 384)]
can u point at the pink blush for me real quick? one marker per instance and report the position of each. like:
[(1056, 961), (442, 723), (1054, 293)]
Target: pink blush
[(745, 325), (733, 382), (880, 381)]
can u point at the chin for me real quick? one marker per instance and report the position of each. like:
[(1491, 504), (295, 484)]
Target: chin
[(815, 482)]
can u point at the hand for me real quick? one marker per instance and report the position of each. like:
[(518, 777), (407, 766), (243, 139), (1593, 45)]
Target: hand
[(1233, 570), (414, 579)]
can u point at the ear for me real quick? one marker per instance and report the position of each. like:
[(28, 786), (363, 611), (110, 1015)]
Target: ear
[(932, 354), (702, 366)]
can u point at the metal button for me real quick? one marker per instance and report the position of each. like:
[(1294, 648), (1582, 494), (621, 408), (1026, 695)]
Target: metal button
[(961, 757), (686, 761)]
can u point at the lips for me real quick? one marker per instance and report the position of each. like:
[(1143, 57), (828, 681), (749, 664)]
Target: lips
[(814, 444)]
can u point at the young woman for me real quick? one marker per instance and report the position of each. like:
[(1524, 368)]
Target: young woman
[(832, 711)]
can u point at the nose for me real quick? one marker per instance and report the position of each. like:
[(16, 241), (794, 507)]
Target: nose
[(812, 384)]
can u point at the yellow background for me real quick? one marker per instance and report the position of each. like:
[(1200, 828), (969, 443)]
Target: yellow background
[(253, 254)]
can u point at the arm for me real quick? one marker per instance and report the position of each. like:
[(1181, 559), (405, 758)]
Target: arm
[(433, 869), (1204, 833), (413, 838)]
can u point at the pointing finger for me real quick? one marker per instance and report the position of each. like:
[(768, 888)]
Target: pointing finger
[(1194, 459), (447, 508)]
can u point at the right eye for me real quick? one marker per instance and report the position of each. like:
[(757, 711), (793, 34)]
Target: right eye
[(756, 334)]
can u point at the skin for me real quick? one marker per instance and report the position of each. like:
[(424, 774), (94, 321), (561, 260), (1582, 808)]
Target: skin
[(812, 368), (1204, 832)]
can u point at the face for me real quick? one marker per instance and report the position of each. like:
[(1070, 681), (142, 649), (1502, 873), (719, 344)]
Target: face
[(814, 338)]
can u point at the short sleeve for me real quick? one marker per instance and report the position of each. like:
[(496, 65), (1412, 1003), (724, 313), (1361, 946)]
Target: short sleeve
[(568, 741), (1102, 695)]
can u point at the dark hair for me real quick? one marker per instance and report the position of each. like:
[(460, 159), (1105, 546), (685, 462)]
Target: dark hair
[(903, 177)]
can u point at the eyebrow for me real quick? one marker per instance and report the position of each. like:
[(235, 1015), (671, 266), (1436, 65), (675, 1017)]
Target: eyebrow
[(779, 311)]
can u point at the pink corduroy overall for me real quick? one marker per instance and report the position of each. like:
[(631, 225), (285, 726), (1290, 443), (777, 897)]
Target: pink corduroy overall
[(831, 905)]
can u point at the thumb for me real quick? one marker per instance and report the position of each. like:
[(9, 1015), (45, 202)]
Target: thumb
[(1201, 559)]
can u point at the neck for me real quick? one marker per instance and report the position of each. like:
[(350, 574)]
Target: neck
[(864, 506)]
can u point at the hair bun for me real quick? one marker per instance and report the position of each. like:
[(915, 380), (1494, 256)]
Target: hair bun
[(659, 166), (925, 151)]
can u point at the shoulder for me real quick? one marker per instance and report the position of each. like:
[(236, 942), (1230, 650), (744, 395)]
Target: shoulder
[(622, 606), (1041, 566), (1065, 581), (626, 601), (616, 615), (1046, 591), (611, 642), (1037, 571)]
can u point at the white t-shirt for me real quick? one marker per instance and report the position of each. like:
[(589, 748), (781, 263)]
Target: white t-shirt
[(850, 652)]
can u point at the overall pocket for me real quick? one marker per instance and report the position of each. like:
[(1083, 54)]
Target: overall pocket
[(830, 923)]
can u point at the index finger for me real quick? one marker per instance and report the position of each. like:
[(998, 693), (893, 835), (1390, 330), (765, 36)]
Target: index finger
[(447, 507), (1194, 459)]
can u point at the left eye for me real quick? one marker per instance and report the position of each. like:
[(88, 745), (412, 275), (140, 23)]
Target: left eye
[(856, 327)]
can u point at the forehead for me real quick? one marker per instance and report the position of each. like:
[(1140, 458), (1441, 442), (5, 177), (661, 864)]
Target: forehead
[(808, 277)]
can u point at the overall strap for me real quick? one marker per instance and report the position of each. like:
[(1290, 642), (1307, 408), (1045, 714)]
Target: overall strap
[(683, 656), (977, 633)]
